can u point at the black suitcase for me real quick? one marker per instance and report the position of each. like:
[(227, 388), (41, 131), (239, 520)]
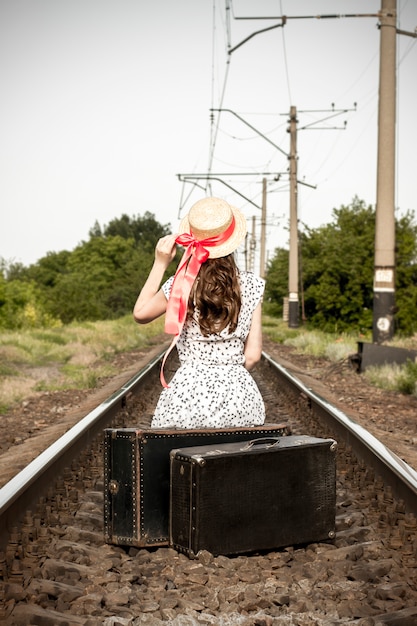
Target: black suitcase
[(136, 477), (259, 495)]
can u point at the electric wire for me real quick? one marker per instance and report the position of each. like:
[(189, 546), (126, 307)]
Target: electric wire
[(284, 49), (196, 184), (305, 197), (407, 51), (215, 126), (372, 60), (213, 48), (411, 43), (216, 130), (370, 100), (397, 133)]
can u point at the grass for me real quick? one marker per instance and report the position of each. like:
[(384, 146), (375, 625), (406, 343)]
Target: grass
[(70, 357), (334, 347), (337, 347), (394, 377), (78, 355)]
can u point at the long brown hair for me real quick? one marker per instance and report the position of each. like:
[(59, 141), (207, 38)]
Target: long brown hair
[(216, 295)]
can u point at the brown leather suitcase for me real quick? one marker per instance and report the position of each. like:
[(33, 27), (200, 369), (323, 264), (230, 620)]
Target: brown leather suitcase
[(253, 496), (136, 477)]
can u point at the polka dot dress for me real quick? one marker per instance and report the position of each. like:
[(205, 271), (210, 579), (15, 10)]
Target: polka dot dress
[(212, 388)]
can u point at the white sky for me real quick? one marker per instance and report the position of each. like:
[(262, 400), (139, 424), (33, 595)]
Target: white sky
[(104, 102)]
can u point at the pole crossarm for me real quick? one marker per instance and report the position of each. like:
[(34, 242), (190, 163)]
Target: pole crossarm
[(258, 32), (284, 19), (190, 177), (253, 128), (275, 174), (335, 113), (301, 182), (307, 17), (408, 33)]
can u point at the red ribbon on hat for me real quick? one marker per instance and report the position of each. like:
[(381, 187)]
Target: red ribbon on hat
[(194, 256)]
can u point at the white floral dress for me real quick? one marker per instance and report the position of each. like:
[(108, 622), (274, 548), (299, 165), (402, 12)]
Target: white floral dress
[(212, 388)]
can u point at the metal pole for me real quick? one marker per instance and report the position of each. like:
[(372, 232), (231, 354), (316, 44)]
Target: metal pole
[(252, 246), (384, 266), (293, 313), (263, 231)]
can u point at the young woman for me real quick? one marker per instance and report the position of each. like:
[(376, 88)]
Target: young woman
[(214, 312)]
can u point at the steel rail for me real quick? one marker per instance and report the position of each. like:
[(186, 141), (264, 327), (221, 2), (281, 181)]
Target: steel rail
[(25, 489), (395, 472)]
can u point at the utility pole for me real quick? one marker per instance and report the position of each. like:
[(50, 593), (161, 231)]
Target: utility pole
[(263, 231), (252, 246), (294, 256), (293, 308), (384, 265)]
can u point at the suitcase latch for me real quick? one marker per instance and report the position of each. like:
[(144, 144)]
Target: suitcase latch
[(113, 487)]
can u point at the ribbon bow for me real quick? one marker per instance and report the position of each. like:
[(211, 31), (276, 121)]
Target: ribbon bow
[(195, 255)]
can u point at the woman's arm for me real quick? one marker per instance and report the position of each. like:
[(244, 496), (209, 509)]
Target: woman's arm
[(253, 344), (151, 302)]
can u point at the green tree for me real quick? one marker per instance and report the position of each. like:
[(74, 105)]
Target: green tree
[(276, 287), (95, 272), (22, 305), (99, 279), (406, 275), (337, 263), (145, 231), (48, 269)]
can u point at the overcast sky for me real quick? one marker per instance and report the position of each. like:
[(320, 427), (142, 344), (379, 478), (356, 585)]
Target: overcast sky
[(104, 102)]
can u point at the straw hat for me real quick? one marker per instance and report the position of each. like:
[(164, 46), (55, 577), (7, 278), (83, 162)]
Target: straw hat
[(211, 216)]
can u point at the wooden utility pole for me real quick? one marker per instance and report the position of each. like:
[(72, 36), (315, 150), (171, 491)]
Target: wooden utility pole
[(263, 231), (293, 307), (384, 266)]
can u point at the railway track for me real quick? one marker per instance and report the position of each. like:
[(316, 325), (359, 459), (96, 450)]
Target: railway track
[(55, 567)]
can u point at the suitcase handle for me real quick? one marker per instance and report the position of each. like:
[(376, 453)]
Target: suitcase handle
[(272, 441)]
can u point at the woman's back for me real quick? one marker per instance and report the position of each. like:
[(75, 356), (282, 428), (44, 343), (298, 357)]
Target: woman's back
[(226, 346), (212, 388)]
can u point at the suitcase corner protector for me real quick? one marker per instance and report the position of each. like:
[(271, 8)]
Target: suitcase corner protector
[(184, 550)]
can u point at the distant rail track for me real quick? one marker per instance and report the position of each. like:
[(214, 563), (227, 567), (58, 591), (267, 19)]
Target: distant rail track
[(55, 567)]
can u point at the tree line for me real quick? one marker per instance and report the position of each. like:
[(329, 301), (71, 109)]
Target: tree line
[(101, 277)]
